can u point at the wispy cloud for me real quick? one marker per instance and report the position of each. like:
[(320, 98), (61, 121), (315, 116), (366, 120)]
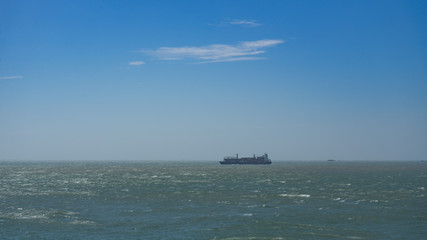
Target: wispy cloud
[(246, 23), (12, 77), (136, 63), (240, 22), (248, 50)]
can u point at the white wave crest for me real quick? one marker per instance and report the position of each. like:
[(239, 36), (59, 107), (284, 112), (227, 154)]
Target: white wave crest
[(295, 195)]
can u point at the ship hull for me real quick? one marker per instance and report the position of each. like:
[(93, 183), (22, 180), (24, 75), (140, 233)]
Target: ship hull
[(251, 163), (246, 160)]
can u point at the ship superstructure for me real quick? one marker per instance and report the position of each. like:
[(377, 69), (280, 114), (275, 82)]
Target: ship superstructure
[(246, 160)]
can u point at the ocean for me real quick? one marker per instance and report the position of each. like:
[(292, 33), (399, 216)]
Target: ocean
[(206, 200)]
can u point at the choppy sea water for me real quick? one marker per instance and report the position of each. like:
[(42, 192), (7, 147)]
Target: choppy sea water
[(204, 200)]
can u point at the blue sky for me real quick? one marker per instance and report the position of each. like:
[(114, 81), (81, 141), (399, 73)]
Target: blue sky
[(197, 80)]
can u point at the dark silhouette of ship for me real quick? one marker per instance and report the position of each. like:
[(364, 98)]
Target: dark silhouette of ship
[(246, 160)]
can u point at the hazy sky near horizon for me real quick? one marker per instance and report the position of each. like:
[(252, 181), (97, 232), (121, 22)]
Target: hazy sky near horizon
[(197, 80)]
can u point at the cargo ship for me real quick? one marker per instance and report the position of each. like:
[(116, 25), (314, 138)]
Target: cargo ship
[(246, 160)]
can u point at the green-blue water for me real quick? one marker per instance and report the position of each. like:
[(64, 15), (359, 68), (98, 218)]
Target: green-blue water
[(204, 200)]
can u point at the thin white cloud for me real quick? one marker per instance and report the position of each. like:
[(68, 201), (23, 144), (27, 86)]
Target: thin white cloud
[(239, 22), (216, 52), (12, 77), (235, 59), (136, 63), (247, 23)]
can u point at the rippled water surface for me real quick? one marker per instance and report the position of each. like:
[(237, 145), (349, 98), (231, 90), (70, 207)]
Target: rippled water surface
[(204, 200)]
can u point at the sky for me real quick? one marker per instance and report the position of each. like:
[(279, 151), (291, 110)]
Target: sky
[(200, 80)]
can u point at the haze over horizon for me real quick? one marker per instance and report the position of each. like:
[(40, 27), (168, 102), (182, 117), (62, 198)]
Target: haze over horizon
[(198, 80)]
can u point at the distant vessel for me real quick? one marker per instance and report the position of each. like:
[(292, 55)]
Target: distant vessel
[(246, 160)]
